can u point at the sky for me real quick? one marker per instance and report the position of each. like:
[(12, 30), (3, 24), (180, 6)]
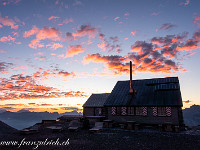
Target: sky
[(55, 53)]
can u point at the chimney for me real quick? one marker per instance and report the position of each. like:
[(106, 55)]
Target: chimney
[(131, 89)]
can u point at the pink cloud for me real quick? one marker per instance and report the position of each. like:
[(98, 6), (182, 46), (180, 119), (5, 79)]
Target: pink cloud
[(53, 17), (53, 54), (39, 53), (7, 39), (85, 30), (54, 46), (8, 22), (7, 2), (134, 32), (155, 14), (42, 58), (197, 20), (187, 2), (3, 51), (126, 14), (33, 31), (74, 50), (66, 21), (116, 18), (45, 33)]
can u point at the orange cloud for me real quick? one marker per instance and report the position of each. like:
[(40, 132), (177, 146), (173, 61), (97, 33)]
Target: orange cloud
[(134, 32), (197, 20), (54, 46), (85, 30), (66, 21), (7, 2), (74, 50), (33, 31), (39, 53), (26, 87), (53, 17), (7, 39), (45, 33), (8, 22)]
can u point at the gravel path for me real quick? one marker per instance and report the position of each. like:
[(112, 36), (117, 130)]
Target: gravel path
[(110, 139)]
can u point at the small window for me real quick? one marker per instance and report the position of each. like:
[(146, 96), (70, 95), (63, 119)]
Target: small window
[(113, 111), (118, 110), (155, 112), (124, 110), (98, 111), (168, 111), (131, 111), (161, 111), (139, 111)]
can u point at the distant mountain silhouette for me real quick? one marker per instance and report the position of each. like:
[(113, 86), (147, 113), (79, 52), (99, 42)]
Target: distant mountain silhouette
[(192, 115), (6, 129), (21, 120), (2, 110), (74, 112), (23, 110)]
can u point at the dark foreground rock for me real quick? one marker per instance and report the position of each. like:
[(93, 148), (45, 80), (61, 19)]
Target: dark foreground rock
[(108, 139)]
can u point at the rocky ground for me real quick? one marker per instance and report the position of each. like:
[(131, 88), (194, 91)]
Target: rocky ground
[(110, 139)]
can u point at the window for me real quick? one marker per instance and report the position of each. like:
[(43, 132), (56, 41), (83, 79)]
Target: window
[(98, 111), (124, 111), (139, 111), (131, 111), (168, 111), (161, 111), (118, 110), (155, 112), (113, 110)]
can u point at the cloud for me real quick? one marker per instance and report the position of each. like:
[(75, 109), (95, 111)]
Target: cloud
[(187, 2), (110, 45), (134, 32), (166, 26), (45, 33), (3, 51), (155, 14), (66, 74), (33, 31), (27, 87), (197, 20), (39, 53), (104, 45), (85, 30), (41, 58), (74, 50), (160, 54), (8, 2), (54, 46), (8, 22), (7, 39), (116, 18), (66, 21), (76, 3), (53, 17), (113, 62), (5, 66)]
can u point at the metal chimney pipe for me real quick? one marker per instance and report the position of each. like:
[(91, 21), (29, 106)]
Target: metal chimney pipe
[(131, 89)]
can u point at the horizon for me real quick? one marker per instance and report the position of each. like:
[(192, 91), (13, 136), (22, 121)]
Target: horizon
[(54, 56)]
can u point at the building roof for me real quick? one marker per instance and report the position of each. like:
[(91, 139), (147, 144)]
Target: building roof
[(149, 92), (96, 100)]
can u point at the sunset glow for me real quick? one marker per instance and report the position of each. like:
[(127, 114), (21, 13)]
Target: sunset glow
[(55, 54)]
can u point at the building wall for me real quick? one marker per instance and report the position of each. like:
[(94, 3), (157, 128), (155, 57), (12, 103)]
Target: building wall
[(90, 111), (149, 118)]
